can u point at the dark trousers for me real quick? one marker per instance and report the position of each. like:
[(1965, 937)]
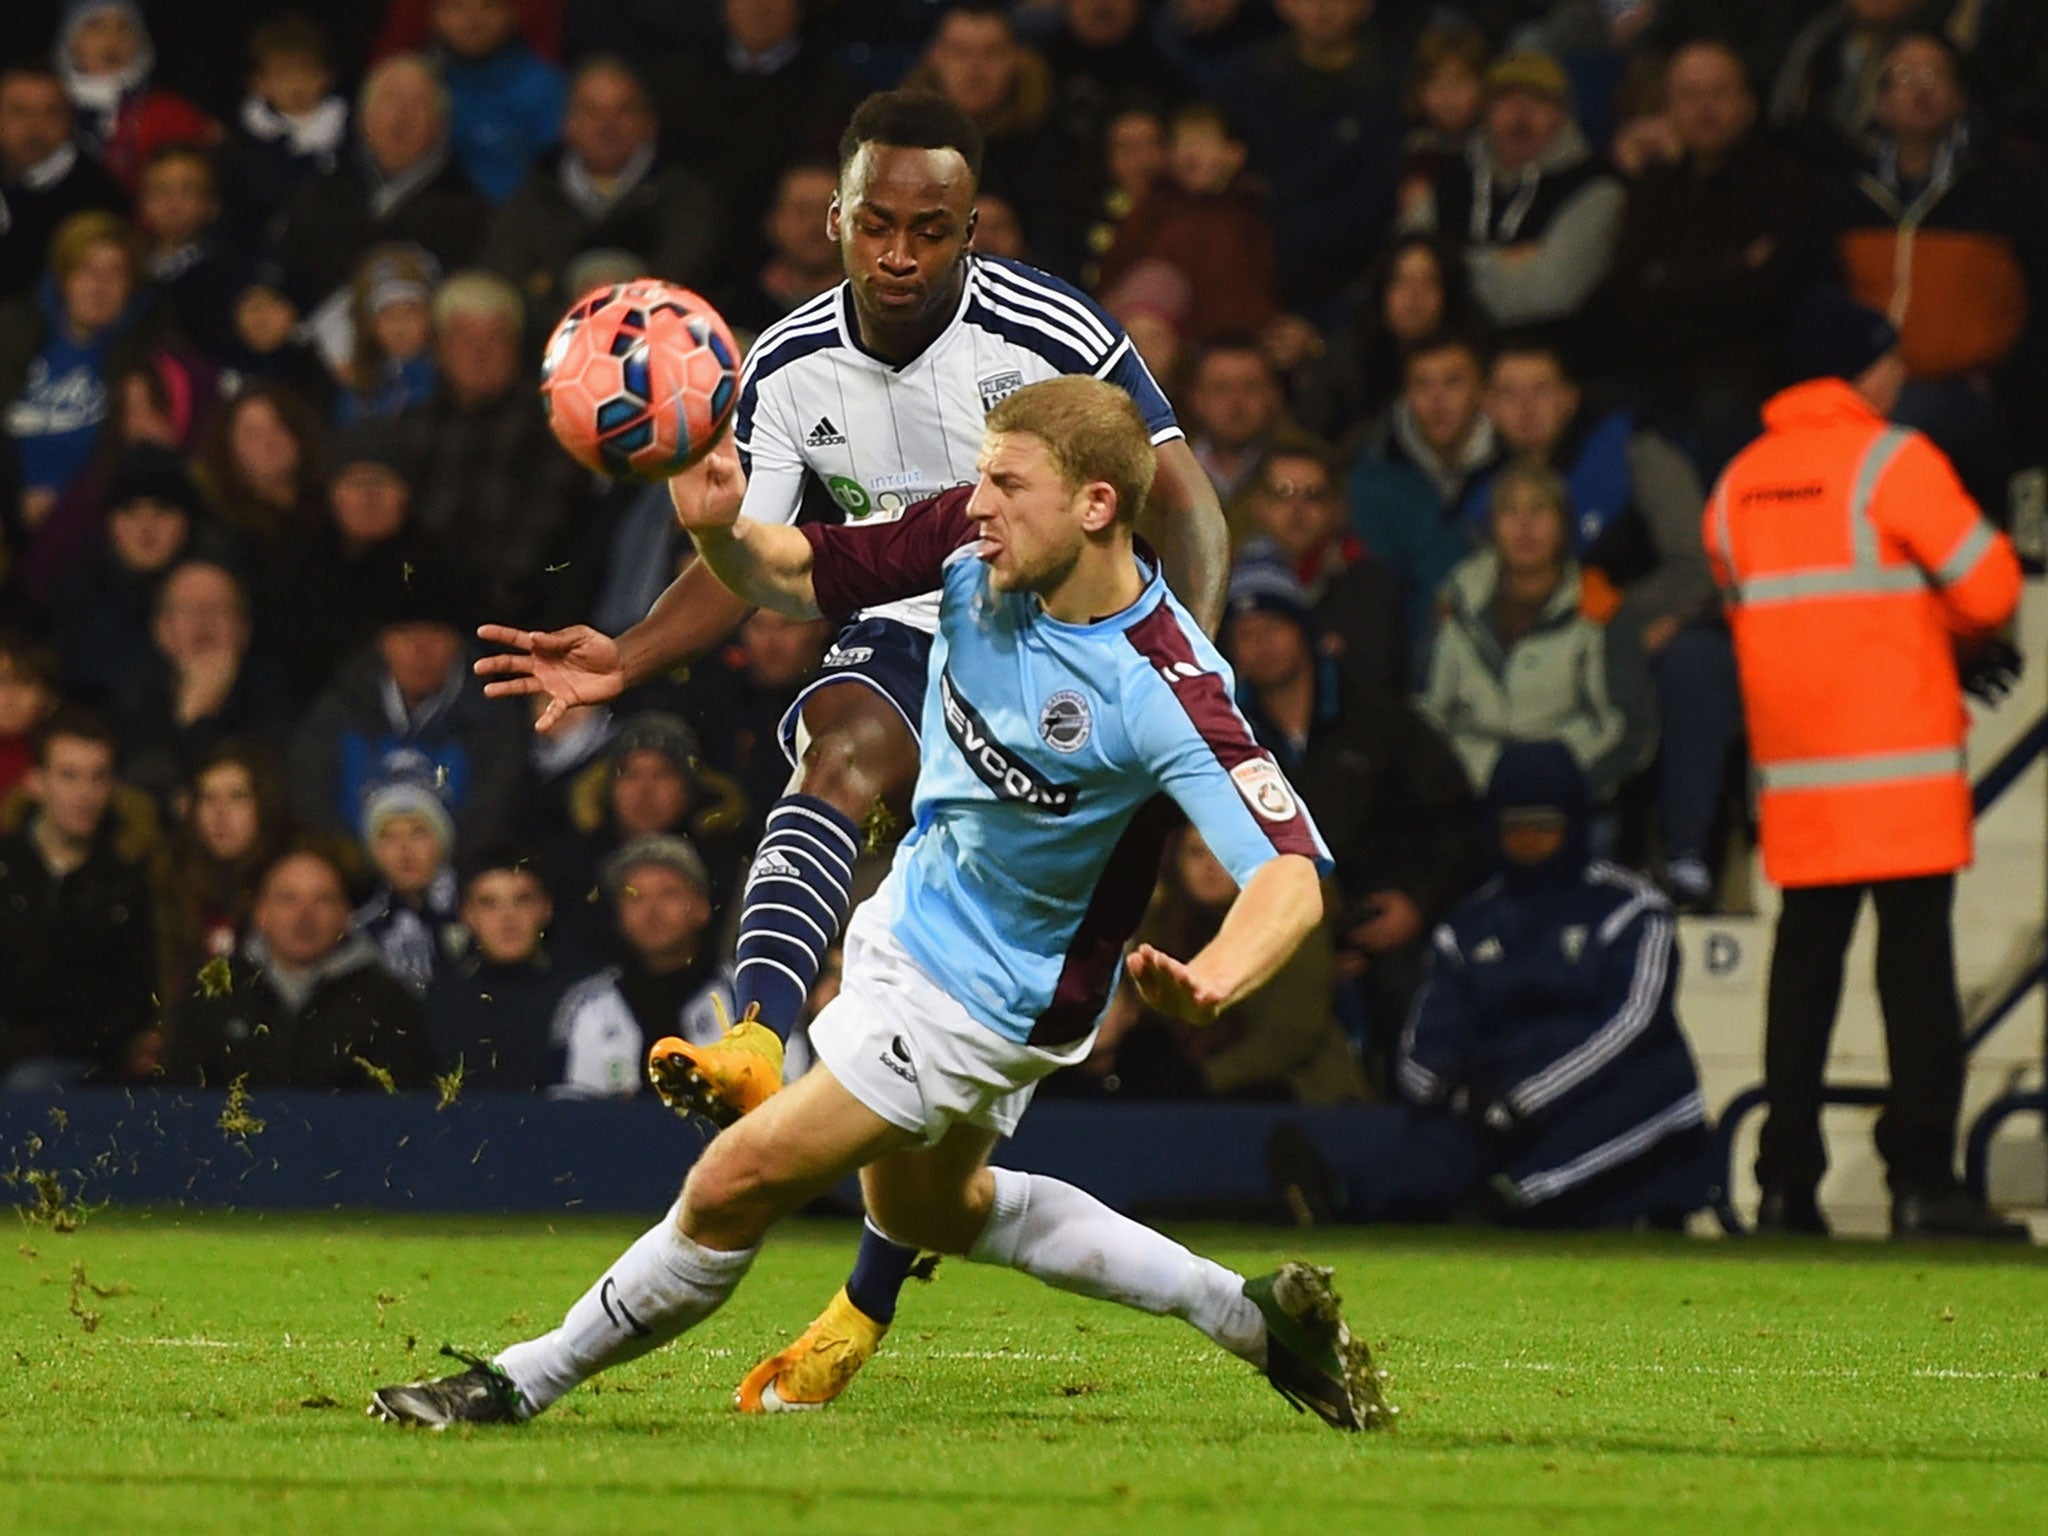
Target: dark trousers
[(1923, 1030)]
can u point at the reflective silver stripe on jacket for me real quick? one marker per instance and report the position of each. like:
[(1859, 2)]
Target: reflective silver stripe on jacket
[(1861, 768)]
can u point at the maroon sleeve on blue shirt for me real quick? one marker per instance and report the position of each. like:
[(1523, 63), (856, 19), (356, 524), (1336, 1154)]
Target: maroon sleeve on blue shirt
[(858, 565)]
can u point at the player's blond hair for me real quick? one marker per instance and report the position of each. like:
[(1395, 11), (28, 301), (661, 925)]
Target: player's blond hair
[(1091, 431)]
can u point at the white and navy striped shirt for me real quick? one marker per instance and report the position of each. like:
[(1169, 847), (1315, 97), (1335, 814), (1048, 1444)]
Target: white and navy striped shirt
[(878, 436)]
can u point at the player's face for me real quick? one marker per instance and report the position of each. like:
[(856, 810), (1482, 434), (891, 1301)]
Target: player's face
[(224, 812), (904, 218), (661, 915), (75, 784), (1030, 520), (505, 910)]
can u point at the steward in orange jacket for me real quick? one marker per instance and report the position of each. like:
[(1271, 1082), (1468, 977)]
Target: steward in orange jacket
[(1853, 563)]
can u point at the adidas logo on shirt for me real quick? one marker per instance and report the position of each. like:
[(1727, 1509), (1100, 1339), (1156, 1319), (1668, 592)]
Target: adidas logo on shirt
[(824, 434)]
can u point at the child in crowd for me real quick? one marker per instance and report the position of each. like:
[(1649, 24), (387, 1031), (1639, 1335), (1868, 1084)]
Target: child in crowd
[(393, 363), (412, 914), (1446, 93), (1204, 219), (292, 125), (29, 693), (105, 58), (178, 210), (491, 1011)]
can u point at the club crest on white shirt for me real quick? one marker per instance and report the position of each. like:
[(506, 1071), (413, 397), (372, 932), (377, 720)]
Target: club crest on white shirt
[(998, 385)]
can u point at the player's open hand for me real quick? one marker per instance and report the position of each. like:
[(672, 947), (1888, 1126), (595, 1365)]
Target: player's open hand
[(571, 666), (708, 494), (1169, 987)]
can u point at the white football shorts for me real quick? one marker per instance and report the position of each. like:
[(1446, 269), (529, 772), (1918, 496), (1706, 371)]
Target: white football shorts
[(899, 1043)]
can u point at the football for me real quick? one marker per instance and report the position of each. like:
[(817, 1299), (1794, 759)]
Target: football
[(639, 379)]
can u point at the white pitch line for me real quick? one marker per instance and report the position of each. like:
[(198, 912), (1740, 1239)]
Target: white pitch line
[(1648, 1368)]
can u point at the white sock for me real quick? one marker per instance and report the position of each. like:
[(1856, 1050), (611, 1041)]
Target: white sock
[(1069, 1239), (662, 1285)]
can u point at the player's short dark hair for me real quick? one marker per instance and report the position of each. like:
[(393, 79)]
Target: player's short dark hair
[(290, 37), (912, 120), (74, 722), (1091, 431)]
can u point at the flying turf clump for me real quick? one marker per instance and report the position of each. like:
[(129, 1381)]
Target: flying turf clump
[(235, 1118), (449, 1086), (379, 1075), (216, 977)]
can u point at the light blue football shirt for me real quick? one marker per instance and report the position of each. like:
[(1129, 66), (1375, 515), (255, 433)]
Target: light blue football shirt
[(1057, 759)]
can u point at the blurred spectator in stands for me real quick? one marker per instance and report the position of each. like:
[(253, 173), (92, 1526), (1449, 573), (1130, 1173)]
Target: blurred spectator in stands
[(326, 590), (1315, 108), (102, 615), (307, 1005), (1133, 161), (492, 481), (408, 24), (1283, 1042), (1826, 89), (230, 828), (668, 983), (1415, 470), (1636, 502), (1443, 100), (976, 62), (274, 344), (1950, 240), (291, 127), (1204, 220), (77, 937), (105, 58), (1717, 242), (492, 1011), (803, 260), (1601, 44), (2007, 45), (391, 365), (601, 191), (998, 228), (87, 321), (1516, 658), (44, 177), (653, 779), (1150, 302), (1416, 290), (1203, 38), (504, 100), (31, 688), (409, 708), (201, 686), (738, 698), (1536, 214), (261, 465), (741, 109), (198, 279), (1549, 1082), (396, 182), (411, 912), (1387, 791), (1295, 510), (1232, 407)]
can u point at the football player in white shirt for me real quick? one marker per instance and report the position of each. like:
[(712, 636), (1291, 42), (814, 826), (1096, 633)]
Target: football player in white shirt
[(872, 395)]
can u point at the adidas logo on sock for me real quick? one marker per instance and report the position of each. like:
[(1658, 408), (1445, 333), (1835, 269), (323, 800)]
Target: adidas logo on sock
[(824, 434), (773, 863)]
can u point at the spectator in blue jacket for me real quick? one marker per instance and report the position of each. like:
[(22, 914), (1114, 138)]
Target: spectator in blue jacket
[(504, 100), (1547, 1078)]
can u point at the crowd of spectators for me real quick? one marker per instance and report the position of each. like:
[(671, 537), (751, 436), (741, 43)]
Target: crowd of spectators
[(1463, 306)]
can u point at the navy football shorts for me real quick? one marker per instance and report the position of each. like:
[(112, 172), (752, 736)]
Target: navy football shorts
[(887, 656)]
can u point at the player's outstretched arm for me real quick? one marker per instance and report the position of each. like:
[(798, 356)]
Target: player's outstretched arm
[(1184, 521), (765, 565), (1279, 907)]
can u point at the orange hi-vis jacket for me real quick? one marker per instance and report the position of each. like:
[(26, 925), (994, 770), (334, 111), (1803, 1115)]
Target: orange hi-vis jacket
[(1851, 560)]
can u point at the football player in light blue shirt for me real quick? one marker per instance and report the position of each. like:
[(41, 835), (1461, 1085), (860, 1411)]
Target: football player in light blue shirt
[(1072, 704)]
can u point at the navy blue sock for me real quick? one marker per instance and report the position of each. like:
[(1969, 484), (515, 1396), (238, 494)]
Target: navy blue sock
[(879, 1270), (797, 895)]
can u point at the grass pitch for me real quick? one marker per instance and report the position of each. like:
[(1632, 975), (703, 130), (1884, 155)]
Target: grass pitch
[(183, 1373)]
